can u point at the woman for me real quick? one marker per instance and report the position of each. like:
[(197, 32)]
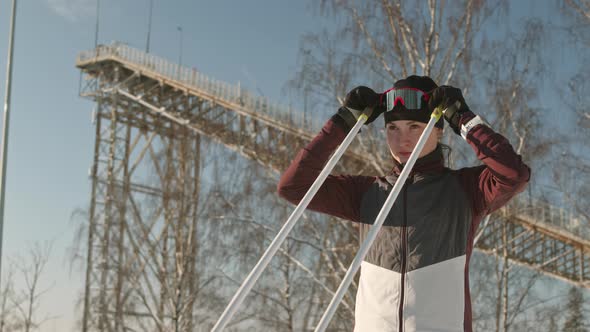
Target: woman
[(415, 277)]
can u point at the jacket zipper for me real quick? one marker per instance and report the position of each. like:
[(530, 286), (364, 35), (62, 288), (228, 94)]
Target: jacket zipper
[(404, 244)]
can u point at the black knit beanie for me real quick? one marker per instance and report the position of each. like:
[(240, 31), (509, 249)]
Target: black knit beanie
[(400, 112)]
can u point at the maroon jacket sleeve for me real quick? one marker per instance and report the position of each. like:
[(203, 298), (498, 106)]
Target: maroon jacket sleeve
[(503, 174), (340, 195)]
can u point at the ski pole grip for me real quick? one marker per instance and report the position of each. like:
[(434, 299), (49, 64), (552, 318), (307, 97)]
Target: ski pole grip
[(437, 113), (366, 114)]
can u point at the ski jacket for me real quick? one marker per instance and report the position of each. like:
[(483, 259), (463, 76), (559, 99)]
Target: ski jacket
[(415, 276)]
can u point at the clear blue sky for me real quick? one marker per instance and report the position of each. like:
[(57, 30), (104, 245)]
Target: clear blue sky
[(52, 137)]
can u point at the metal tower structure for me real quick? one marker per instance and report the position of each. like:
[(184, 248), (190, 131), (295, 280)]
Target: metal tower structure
[(150, 114)]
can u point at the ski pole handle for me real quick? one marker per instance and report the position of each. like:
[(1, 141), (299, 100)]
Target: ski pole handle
[(282, 235), (358, 258)]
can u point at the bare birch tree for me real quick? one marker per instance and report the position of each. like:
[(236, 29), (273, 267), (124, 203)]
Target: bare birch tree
[(382, 41), (162, 268), (513, 69), (7, 309), (576, 98), (575, 321), (26, 300), (247, 214)]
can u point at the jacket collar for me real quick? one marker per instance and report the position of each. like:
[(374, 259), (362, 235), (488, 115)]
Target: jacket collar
[(431, 163)]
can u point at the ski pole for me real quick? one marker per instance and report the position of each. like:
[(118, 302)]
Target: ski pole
[(356, 263), (282, 235)]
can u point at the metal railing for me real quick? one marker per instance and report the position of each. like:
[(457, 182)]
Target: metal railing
[(545, 214), (190, 77)]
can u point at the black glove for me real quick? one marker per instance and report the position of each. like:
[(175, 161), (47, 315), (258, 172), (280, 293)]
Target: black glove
[(355, 103), (451, 99)]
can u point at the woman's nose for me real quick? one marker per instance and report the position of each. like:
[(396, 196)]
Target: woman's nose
[(405, 139)]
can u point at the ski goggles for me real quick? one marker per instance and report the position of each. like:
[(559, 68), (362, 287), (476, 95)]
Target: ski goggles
[(410, 98)]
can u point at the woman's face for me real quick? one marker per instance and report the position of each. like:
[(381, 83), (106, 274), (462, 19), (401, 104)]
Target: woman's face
[(403, 135)]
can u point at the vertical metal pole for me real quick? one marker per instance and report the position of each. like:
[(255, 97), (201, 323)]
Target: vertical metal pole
[(122, 209), (5, 124), (194, 243), (147, 44), (179, 28), (581, 262), (105, 238), (96, 29), (92, 223), (305, 105)]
